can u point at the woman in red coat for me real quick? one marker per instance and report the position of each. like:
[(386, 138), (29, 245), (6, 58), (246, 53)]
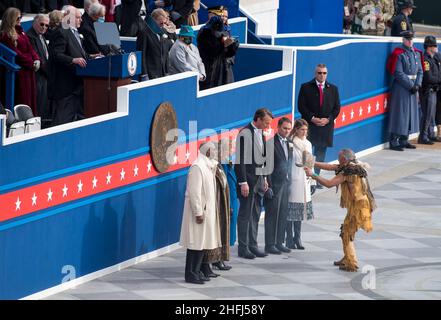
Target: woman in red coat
[(12, 35)]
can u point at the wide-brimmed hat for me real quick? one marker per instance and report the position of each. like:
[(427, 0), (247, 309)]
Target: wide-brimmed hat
[(186, 31), (407, 34), (406, 4)]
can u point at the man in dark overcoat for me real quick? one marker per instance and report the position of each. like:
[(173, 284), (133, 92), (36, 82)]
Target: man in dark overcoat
[(65, 87), (155, 44), (319, 104), (38, 42)]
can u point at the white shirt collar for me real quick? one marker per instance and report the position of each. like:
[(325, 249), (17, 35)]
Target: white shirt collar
[(280, 138), (318, 83)]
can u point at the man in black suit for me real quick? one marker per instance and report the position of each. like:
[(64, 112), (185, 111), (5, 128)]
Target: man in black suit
[(65, 87), (155, 44), (251, 171), (319, 104), (94, 12), (276, 209), (38, 41)]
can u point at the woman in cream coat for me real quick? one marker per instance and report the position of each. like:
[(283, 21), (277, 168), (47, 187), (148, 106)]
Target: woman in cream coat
[(200, 225), (300, 204)]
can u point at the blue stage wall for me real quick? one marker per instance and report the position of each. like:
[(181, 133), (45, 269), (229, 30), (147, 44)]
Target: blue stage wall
[(309, 40), (324, 16), (108, 228), (359, 71), (268, 61)]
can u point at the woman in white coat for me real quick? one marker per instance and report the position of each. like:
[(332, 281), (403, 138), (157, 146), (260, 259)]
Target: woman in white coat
[(200, 224), (300, 204)]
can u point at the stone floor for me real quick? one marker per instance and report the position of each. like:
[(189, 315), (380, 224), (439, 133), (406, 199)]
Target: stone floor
[(400, 259)]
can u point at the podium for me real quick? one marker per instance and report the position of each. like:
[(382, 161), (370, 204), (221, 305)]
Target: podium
[(102, 77)]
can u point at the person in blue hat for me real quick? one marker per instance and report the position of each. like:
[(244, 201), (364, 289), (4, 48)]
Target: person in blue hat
[(184, 55)]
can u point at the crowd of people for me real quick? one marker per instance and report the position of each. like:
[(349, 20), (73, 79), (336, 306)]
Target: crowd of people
[(64, 39), (276, 174), (282, 173), (377, 17)]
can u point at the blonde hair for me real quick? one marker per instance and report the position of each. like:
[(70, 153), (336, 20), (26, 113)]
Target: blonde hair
[(9, 20)]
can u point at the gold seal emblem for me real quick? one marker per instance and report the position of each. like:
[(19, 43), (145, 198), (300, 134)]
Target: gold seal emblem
[(426, 66), (403, 25), (163, 147)]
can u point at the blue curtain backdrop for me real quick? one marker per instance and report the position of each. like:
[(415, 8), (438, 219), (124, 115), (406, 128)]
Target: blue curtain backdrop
[(316, 16)]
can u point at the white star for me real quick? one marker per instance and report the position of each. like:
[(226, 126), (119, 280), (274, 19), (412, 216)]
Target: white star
[(187, 156), (80, 187), (175, 159), (369, 108), (122, 174), (360, 111), (135, 170), (352, 114), (49, 195), (17, 204), (149, 166), (343, 117), (108, 178), (385, 104), (377, 106), (34, 200), (335, 121), (65, 191), (94, 182)]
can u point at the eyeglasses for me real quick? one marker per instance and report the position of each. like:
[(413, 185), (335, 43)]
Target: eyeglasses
[(321, 72), (44, 25)]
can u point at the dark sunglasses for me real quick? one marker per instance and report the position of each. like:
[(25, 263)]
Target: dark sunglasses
[(44, 25), (322, 72), (19, 18)]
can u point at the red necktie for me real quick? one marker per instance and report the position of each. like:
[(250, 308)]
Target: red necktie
[(321, 94)]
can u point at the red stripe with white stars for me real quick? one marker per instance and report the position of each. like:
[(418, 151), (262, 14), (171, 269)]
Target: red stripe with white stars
[(362, 110), (92, 182), (78, 186)]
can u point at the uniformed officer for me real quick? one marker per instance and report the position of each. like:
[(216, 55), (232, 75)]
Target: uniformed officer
[(405, 66), (402, 21), (430, 86)]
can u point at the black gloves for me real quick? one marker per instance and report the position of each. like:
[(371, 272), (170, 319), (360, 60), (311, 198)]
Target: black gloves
[(414, 89)]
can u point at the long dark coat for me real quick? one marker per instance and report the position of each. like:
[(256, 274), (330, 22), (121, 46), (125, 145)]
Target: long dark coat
[(131, 21), (215, 56), (155, 60), (309, 106), (41, 75), (25, 85), (63, 80), (403, 107)]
